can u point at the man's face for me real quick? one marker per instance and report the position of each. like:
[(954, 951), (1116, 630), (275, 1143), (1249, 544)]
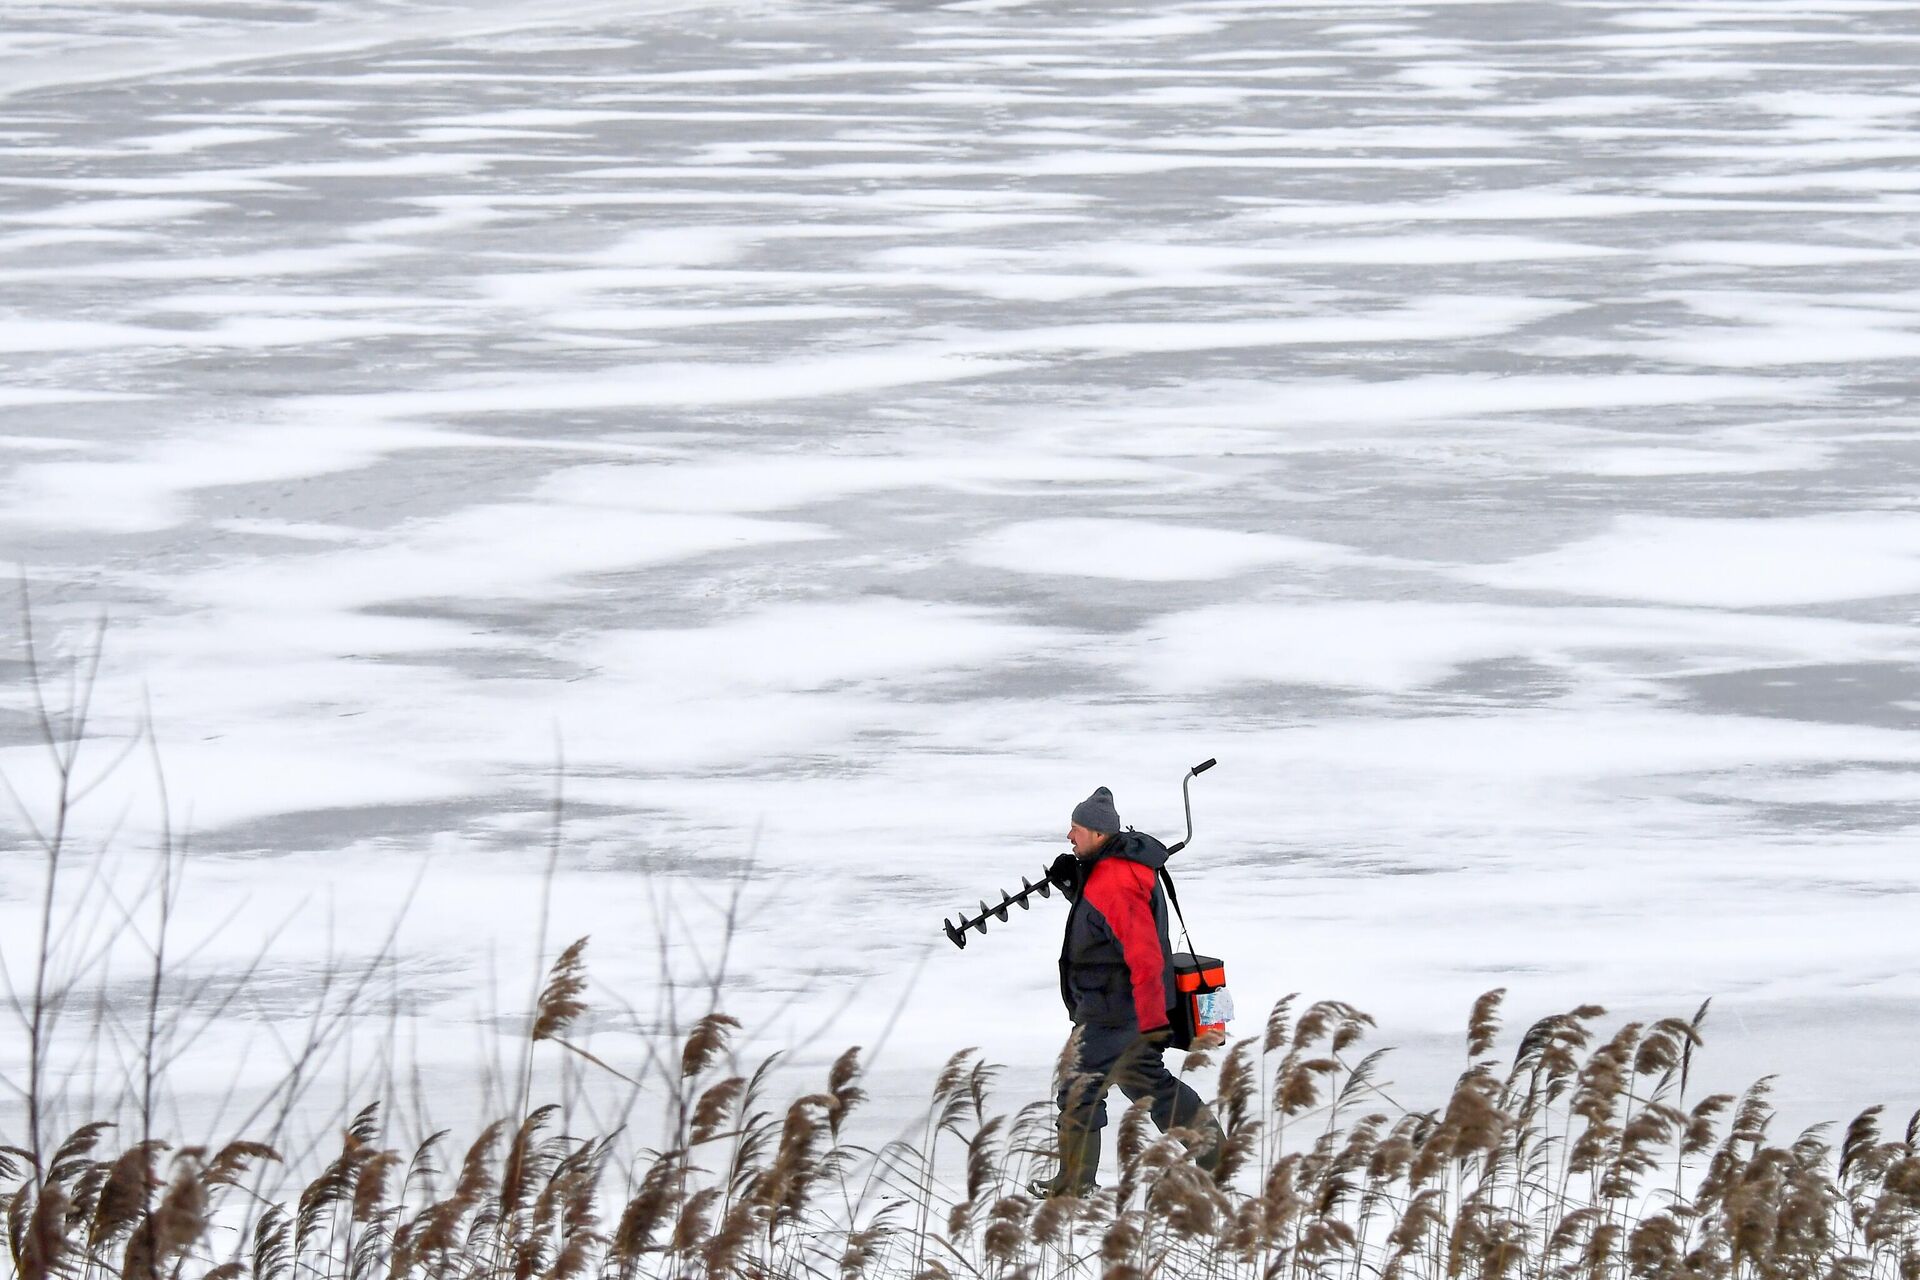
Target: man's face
[(1085, 843)]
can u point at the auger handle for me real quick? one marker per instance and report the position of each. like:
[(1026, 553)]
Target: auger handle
[(1186, 800)]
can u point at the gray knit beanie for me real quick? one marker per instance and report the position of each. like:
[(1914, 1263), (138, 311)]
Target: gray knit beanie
[(1096, 812)]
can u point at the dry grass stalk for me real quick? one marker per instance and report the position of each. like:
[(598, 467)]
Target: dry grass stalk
[(36, 1233), (1483, 1024), (272, 1245), (563, 999), (707, 1042), (172, 1230), (1585, 1162), (646, 1212), (131, 1180), (715, 1108)]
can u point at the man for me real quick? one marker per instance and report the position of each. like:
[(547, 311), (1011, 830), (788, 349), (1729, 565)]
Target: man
[(1116, 977)]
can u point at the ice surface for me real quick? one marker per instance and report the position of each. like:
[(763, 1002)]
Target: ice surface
[(845, 440), (487, 552), (771, 484), (109, 213), (1399, 647), (1763, 561), (1141, 550)]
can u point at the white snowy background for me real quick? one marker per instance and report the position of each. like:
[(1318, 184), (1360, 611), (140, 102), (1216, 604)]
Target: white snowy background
[(855, 430)]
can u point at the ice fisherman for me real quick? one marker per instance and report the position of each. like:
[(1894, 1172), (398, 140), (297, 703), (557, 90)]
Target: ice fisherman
[(1116, 977)]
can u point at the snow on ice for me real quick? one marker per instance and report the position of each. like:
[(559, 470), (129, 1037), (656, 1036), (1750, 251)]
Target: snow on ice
[(847, 434)]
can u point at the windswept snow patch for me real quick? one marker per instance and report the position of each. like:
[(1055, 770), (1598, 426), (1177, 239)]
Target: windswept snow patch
[(772, 484), (1143, 550), (1400, 646), (1736, 563)]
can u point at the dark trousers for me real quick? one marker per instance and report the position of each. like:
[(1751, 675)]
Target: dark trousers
[(1119, 1055)]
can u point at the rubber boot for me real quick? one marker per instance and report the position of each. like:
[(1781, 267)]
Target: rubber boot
[(1079, 1163)]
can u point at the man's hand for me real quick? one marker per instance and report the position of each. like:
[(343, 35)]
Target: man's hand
[(1065, 872)]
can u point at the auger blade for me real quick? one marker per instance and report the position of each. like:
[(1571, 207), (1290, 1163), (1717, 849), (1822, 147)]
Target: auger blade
[(956, 930)]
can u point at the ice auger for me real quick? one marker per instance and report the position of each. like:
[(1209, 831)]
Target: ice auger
[(957, 933)]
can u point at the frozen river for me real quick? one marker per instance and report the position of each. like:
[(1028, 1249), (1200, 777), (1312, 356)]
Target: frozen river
[(849, 432)]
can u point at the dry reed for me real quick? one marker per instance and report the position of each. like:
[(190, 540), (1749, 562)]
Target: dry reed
[(1582, 1157)]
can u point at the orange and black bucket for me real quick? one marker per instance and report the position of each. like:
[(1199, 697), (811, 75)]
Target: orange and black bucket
[(1202, 1006)]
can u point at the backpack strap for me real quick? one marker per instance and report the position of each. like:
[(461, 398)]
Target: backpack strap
[(1173, 896)]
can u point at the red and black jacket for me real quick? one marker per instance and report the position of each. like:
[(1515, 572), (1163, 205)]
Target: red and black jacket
[(1116, 962)]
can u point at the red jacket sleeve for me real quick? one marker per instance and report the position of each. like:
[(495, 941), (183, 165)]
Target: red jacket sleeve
[(1123, 893)]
